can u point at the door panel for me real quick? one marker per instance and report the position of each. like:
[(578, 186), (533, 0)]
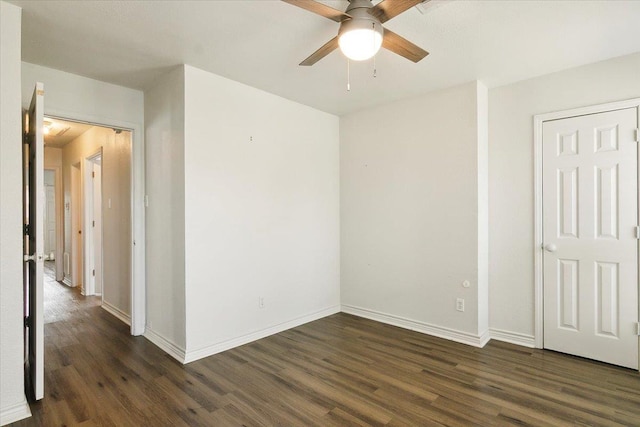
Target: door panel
[(568, 195), (607, 295), (568, 291), (590, 211), (34, 245)]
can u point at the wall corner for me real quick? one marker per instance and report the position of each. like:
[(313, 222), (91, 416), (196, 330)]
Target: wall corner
[(482, 116)]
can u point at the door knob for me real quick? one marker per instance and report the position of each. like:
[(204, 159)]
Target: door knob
[(550, 247)]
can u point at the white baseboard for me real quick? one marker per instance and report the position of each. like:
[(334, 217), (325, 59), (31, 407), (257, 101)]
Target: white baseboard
[(67, 281), (263, 333), (422, 327), (485, 337), (13, 413), (117, 312), (516, 338), (167, 346)]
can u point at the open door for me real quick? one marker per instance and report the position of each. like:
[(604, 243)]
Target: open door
[(33, 208)]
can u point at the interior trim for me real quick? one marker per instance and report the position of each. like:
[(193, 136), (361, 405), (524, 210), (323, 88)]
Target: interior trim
[(422, 327), (15, 412), (254, 336), (538, 121)]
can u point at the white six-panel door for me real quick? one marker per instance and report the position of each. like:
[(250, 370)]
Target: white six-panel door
[(590, 214)]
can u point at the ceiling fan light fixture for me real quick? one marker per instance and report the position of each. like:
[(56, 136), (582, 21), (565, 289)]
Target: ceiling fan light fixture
[(47, 127), (360, 39)]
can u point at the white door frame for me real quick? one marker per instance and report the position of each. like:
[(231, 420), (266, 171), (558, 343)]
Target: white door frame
[(538, 120), (97, 230), (75, 212), (88, 246), (138, 273)]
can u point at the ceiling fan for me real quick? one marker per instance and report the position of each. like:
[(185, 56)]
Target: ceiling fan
[(361, 33)]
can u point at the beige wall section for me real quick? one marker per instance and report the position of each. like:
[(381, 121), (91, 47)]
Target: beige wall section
[(116, 175), (116, 220), (52, 157), (410, 212), (511, 162), (13, 405)]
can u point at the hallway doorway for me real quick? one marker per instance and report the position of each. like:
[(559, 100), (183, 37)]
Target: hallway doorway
[(96, 248)]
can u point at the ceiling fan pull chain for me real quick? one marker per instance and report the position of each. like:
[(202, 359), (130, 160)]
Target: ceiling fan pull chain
[(348, 75), (373, 39), (374, 67)]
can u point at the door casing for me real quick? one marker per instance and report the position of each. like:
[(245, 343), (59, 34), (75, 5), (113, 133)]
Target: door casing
[(90, 248), (538, 120)]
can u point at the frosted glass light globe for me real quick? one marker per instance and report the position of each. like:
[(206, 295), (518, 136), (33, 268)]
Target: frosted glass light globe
[(360, 40)]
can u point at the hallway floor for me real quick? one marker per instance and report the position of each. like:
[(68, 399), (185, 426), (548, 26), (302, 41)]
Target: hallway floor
[(60, 301)]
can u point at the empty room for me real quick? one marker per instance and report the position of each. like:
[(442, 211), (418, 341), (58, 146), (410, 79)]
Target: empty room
[(317, 213)]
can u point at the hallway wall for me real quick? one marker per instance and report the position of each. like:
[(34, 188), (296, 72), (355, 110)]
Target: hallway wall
[(116, 196), (72, 154)]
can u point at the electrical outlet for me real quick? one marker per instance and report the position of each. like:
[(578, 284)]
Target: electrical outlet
[(459, 304), (260, 302)]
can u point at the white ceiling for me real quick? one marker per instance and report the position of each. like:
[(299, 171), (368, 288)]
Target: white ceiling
[(260, 43)]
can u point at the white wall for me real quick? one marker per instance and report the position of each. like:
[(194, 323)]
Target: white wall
[(410, 212), (165, 171), (72, 96), (511, 197), (75, 97), (12, 400), (261, 213)]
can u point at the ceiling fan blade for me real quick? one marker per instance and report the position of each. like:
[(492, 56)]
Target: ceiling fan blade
[(320, 9), (325, 50), (403, 47), (388, 9)]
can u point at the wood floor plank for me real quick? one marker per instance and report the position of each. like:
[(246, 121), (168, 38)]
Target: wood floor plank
[(338, 371)]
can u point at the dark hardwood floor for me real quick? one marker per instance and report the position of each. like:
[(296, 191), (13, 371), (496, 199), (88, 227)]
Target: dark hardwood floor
[(341, 370)]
